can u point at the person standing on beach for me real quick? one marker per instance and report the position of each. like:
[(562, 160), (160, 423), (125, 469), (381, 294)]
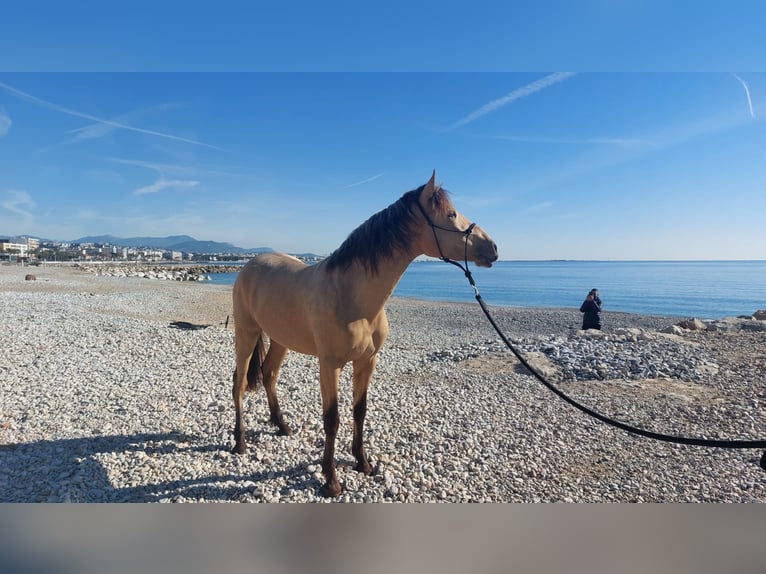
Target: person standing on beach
[(591, 309)]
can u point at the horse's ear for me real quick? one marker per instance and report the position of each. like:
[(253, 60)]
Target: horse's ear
[(431, 184), (429, 191)]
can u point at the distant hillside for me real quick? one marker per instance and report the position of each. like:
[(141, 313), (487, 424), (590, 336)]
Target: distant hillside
[(183, 243)]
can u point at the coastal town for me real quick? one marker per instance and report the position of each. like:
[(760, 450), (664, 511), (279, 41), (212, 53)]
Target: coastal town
[(31, 250)]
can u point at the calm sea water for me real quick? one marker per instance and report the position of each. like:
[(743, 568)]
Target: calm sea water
[(704, 289)]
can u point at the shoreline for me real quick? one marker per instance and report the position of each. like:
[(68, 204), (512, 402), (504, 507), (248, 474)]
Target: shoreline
[(672, 304), (201, 272), (103, 401), (196, 273)]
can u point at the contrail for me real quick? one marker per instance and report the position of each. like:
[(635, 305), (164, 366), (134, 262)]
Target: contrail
[(92, 118), (747, 93), (100, 129), (517, 94), (368, 180)]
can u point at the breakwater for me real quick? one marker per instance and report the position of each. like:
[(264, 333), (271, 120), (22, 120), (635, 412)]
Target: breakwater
[(164, 271)]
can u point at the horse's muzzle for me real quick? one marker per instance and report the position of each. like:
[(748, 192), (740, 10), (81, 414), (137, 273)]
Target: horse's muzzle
[(487, 255)]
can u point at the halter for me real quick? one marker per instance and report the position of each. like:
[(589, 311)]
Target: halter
[(467, 233)]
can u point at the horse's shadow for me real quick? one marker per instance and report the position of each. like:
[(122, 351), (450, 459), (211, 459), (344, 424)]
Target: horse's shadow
[(65, 470)]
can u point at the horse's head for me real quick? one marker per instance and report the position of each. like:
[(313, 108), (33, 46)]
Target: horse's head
[(451, 234)]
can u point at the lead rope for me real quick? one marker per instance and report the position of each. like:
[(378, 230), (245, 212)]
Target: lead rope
[(722, 443), (694, 441)]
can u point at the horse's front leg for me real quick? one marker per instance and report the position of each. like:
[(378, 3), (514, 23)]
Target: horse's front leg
[(329, 372), (362, 375)]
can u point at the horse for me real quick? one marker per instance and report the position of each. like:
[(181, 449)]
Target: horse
[(334, 309)]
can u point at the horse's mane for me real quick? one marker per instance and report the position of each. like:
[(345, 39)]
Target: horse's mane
[(384, 233)]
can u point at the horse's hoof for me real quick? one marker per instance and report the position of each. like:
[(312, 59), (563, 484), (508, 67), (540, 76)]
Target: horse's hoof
[(284, 431), (364, 468), (331, 489), (239, 448)]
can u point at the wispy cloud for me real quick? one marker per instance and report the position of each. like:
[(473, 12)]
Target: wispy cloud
[(181, 170), (164, 181), (19, 203), (579, 141), (101, 121), (162, 184), (538, 207), (517, 94), (153, 165), (747, 94), (368, 180), (5, 122)]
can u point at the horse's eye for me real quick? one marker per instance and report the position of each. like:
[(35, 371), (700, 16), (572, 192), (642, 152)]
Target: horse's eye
[(452, 214)]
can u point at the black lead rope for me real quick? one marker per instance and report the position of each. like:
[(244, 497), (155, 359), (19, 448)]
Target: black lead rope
[(694, 441), (722, 443)]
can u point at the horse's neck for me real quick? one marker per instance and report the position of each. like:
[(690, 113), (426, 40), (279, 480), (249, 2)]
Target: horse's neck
[(370, 290)]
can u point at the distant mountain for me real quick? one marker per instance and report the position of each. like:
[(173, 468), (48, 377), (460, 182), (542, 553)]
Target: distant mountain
[(183, 243)]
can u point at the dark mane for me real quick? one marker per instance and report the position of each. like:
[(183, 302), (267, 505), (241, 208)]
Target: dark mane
[(384, 233), (379, 237)]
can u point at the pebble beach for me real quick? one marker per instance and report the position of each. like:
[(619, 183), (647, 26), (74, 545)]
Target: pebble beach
[(108, 395)]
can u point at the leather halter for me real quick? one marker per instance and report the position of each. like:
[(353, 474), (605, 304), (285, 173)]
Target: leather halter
[(467, 232)]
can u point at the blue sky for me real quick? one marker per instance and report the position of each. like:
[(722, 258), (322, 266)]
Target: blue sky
[(287, 124), (396, 35), (555, 165)]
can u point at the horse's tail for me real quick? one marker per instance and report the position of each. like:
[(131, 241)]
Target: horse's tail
[(254, 372)]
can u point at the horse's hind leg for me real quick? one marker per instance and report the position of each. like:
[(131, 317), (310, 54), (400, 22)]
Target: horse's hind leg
[(270, 370), (362, 375), (245, 343), (254, 368)]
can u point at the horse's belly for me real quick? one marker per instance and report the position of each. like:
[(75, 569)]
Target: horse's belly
[(289, 331), (294, 344), (333, 341)]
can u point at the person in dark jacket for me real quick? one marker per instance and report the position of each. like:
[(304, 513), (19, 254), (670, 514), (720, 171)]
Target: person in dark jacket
[(591, 309)]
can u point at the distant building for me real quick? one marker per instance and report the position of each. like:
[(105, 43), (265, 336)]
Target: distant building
[(20, 249)]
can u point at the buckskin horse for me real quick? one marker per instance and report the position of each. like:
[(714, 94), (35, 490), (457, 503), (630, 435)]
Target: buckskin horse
[(335, 309)]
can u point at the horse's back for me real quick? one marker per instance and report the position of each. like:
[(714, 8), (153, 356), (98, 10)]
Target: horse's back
[(268, 261), (268, 268)]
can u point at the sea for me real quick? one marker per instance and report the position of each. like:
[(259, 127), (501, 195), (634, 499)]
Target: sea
[(702, 289)]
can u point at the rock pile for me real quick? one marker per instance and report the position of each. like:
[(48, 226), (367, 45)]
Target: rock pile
[(622, 353), (754, 322), (163, 272)]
